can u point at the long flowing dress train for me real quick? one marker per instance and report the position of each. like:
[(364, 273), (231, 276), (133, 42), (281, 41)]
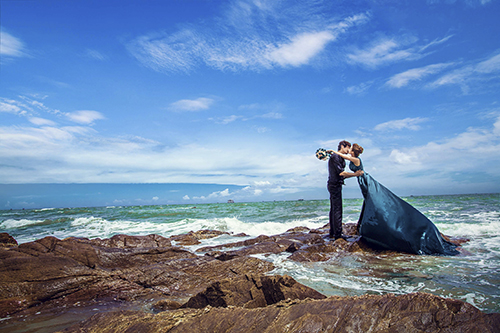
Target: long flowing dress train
[(389, 222)]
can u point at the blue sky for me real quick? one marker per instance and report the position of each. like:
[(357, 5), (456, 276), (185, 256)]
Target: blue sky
[(244, 92)]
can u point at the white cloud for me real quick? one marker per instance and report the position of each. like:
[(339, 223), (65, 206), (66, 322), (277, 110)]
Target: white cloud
[(483, 144), (263, 130), (471, 3), (233, 118), (301, 49), (359, 89), (445, 166), (490, 65), (219, 194), (249, 36), (94, 54), (78, 154), (41, 121), (214, 195), (10, 46), (226, 120), (198, 104), (385, 51), (469, 75), (84, 116), (408, 123), (272, 115), (415, 74), (404, 157), (496, 127), (382, 52), (10, 108)]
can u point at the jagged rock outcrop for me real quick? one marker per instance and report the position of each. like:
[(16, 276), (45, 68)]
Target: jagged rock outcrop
[(7, 241), (251, 292), (410, 313), (215, 289), (54, 273)]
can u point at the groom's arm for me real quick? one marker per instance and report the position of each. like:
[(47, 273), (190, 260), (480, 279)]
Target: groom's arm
[(346, 174)]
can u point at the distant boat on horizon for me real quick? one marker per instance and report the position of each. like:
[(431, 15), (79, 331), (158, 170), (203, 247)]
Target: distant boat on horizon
[(230, 201)]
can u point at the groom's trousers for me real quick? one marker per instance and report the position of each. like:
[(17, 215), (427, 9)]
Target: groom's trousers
[(335, 210)]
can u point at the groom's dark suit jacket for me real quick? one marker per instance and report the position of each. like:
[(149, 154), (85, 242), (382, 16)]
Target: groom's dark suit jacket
[(336, 165)]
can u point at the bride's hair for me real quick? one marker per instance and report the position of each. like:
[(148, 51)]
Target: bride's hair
[(357, 150)]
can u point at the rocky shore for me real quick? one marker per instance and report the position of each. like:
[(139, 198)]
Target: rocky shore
[(155, 284)]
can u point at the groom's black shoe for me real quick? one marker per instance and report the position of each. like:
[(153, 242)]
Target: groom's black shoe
[(344, 237)]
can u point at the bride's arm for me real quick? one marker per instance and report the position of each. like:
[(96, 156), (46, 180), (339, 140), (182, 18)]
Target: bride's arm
[(354, 160)]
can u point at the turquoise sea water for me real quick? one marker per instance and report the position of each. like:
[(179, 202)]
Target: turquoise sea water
[(474, 278)]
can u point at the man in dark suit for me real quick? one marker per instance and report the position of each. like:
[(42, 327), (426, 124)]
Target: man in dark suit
[(336, 176)]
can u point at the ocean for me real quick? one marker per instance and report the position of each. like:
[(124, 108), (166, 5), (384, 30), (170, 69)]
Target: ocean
[(473, 278)]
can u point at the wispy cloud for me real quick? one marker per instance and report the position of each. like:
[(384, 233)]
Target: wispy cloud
[(9, 106), (484, 143), (10, 46), (403, 79), (232, 118), (301, 49), (94, 54), (198, 104), (272, 115), (383, 52), (359, 89), (82, 155), (86, 117), (438, 164), (226, 120), (43, 150), (41, 121), (31, 107), (214, 195), (407, 123), (388, 50), (468, 75), (472, 3), (251, 35), (24, 106)]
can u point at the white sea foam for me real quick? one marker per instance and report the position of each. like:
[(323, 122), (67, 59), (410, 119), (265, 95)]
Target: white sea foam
[(97, 227), (267, 228), (45, 209), (92, 227), (13, 224), (465, 229)]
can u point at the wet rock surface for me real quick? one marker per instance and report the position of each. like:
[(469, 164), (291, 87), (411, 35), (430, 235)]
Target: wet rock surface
[(417, 312), (7, 241), (165, 287)]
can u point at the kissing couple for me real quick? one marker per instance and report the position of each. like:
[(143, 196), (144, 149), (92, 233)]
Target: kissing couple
[(386, 221)]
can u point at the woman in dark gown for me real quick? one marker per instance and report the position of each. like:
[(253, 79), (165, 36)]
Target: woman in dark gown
[(389, 222)]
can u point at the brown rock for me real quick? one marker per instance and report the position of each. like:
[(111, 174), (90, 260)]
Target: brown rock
[(251, 291), (125, 241), (193, 237), (166, 304), (416, 312), (7, 240), (298, 230), (59, 273), (137, 272)]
